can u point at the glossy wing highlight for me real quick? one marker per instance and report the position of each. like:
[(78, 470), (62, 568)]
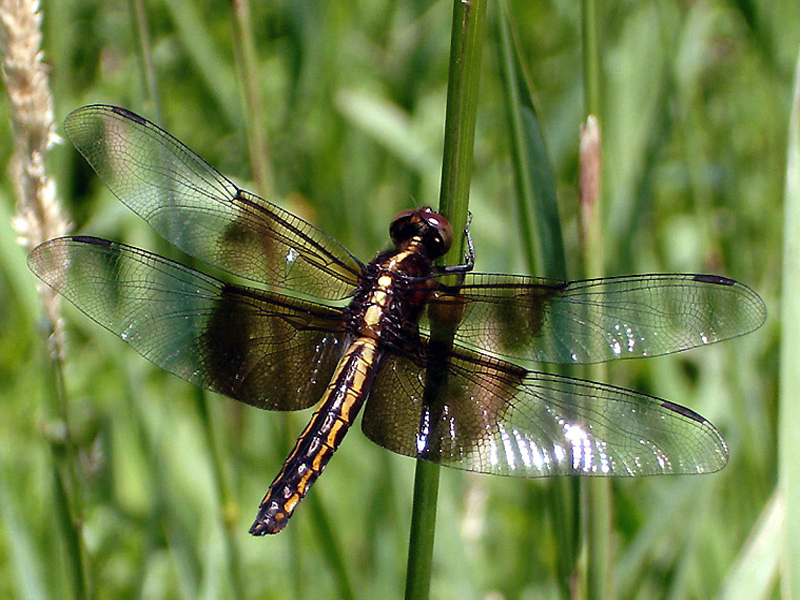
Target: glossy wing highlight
[(495, 417), (202, 212), (261, 348), (598, 320)]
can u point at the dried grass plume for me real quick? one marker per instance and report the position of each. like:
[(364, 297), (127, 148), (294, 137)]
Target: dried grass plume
[(38, 216)]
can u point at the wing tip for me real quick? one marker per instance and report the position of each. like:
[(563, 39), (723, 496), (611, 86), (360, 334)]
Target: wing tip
[(124, 112), (748, 294), (89, 239), (682, 410), (715, 279)]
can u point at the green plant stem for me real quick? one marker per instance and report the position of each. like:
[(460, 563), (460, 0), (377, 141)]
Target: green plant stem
[(66, 489), (225, 497), (329, 540), (597, 499), (162, 524), (522, 175), (247, 67), (142, 32), (201, 48), (591, 57), (597, 503), (789, 433), (466, 49), (423, 526), (542, 238), (534, 180), (466, 46)]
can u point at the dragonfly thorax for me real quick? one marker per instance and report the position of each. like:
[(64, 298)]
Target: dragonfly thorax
[(393, 291)]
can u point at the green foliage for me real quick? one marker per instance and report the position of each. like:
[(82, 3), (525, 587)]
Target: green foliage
[(695, 101)]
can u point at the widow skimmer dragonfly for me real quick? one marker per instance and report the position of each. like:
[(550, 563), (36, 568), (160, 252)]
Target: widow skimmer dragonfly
[(323, 325)]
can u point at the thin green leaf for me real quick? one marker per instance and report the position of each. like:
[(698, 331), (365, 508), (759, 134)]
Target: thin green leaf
[(789, 434)]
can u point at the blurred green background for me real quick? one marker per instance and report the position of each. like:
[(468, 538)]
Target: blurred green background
[(695, 109)]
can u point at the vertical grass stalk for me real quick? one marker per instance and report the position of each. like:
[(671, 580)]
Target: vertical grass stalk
[(253, 123), (196, 38), (534, 179), (466, 48), (38, 217), (225, 497), (591, 57), (597, 499), (247, 67), (542, 238), (330, 542), (789, 415), (142, 33)]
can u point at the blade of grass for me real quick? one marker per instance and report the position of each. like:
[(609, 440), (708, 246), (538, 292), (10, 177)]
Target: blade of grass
[(162, 522), (466, 49), (152, 101), (789, 411), (537, 202), (596, 492), (68, 499), (187, 562), (38, 218), (534, 179), (247, 67), (520, 143), (423, 527), (591, 57), (466, 46), (142, 33), (225, 497), (26, 565), (67, 512), (753, 575), (210, 66), (329, 539)]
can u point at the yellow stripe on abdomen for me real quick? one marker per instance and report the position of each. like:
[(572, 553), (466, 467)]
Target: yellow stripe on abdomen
[(349, 387)]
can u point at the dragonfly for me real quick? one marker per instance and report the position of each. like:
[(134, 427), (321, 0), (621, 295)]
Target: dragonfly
[(319, 326)]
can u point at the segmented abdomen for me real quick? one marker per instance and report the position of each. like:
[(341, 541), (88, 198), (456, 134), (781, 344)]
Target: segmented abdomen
[(349, 387)]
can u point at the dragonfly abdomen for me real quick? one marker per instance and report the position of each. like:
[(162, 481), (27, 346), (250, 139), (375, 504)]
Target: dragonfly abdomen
[(349, 387)]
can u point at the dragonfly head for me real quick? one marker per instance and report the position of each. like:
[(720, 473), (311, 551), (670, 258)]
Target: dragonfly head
[(434, 231)]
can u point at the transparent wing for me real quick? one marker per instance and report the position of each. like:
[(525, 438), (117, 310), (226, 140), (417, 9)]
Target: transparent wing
[(597, 320), (495, 417), (202, 212), (261, 348)]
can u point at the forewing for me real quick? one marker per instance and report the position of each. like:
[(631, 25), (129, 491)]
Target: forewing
[(597, 320), (202, 212), (494, 417), (261, 348)]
